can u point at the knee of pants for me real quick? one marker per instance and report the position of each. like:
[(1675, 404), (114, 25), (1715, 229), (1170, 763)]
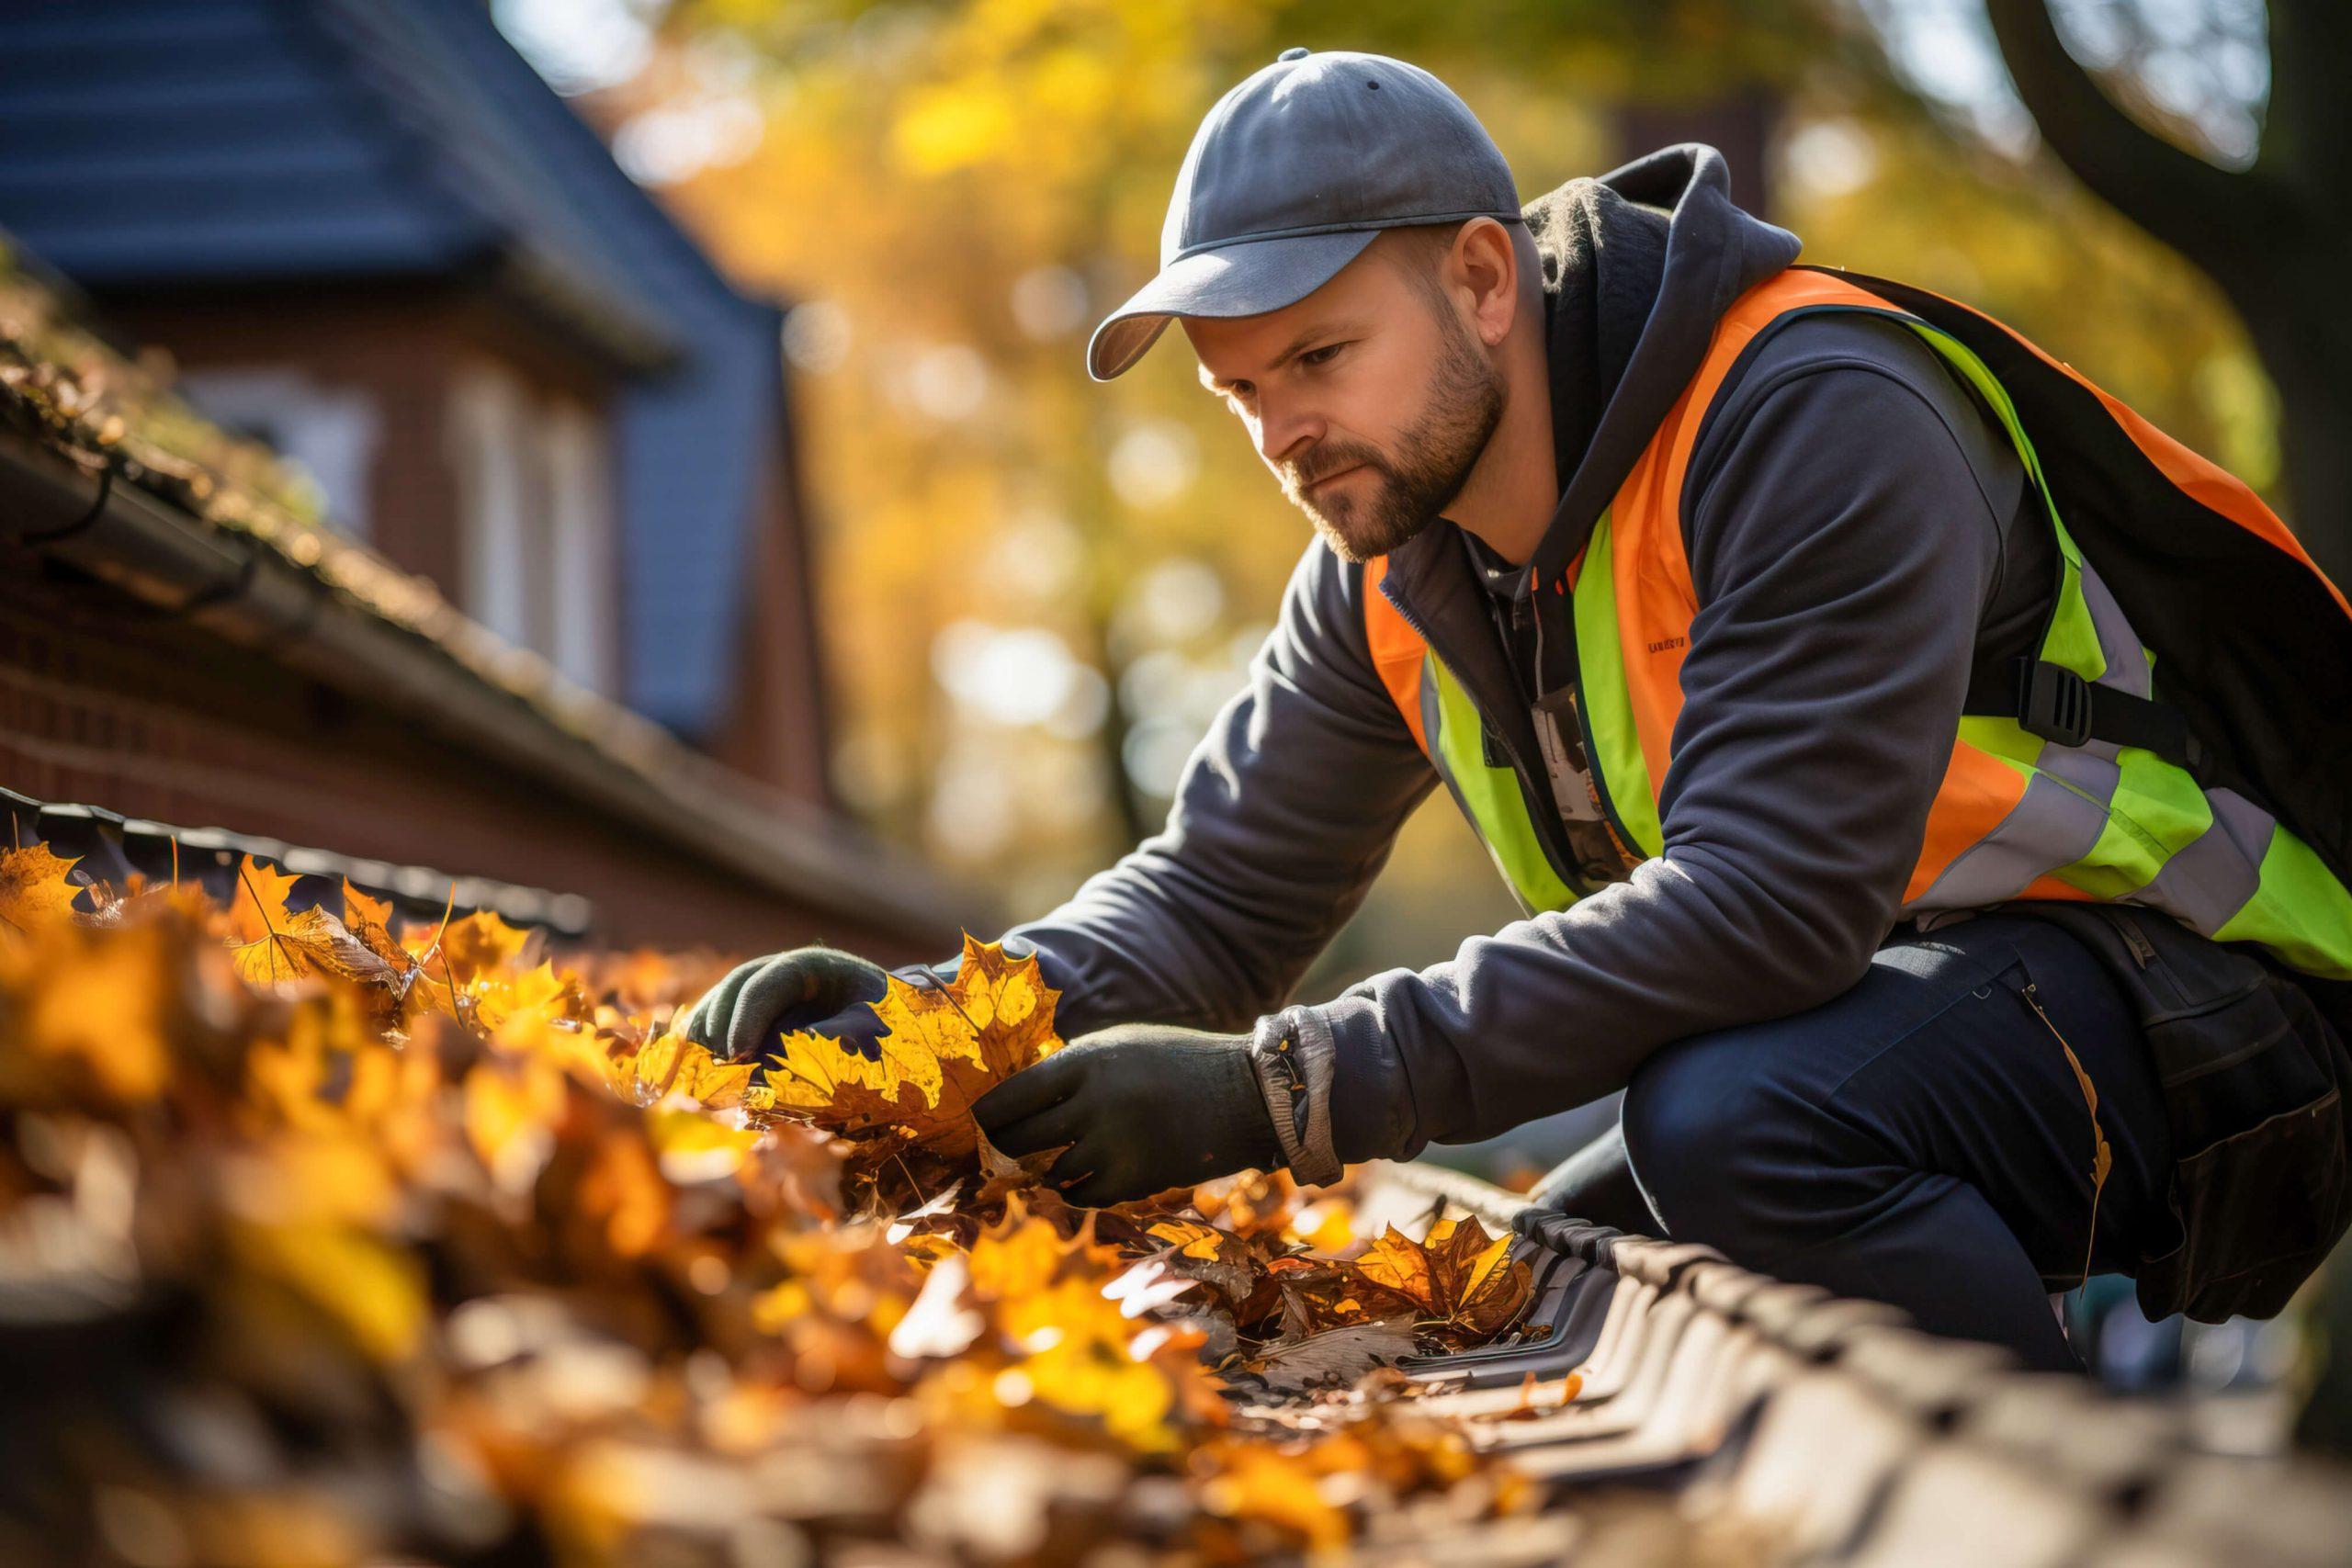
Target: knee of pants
[(1715, 1136)]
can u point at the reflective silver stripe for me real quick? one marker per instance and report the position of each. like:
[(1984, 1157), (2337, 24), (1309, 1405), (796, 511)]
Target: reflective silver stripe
[(2212, 877), (2127, 662), (2050, 825), (2064, 809)]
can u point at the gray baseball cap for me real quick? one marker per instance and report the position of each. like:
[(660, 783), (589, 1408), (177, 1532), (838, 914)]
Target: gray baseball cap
[(1291, 176)]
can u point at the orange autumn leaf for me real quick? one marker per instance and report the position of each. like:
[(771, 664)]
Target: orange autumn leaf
[(257, 907), (92, 1018), (1024, 1253), (535, 1000), (672, 1065), (315, 943), (944, 1045), (1273, 1488), (358, 905), (34, 888), (512, 1105), (624, 1195), (1249, 1203), (1315, 1295), (1191, 1240), (1459, 1276), (513, 1189), (480, 944)]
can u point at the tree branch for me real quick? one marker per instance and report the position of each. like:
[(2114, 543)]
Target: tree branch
[(2209, 215), (2309, 120)]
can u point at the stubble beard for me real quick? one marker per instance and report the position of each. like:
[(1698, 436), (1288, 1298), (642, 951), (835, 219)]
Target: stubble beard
[(1433, 459)]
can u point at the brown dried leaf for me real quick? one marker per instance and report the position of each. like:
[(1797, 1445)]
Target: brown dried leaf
[(1337, 1357)]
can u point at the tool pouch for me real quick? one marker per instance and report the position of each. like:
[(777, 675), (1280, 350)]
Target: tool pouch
[(2254, 1070)]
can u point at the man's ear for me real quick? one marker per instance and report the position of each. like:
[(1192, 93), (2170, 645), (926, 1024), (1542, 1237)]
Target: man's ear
[(1484, 263)]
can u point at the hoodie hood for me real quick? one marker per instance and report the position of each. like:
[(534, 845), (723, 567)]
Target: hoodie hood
[(1714, 252)]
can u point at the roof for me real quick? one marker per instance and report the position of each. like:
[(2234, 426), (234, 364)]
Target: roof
[(130, 483), (248, 143)]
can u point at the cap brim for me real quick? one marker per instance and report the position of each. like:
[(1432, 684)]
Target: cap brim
[(1247, 279)]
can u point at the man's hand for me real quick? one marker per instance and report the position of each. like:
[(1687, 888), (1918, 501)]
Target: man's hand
[(1142, 1107), (816, 988)]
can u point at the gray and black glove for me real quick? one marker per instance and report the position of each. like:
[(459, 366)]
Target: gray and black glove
[(1143, 1108), (817, 988)]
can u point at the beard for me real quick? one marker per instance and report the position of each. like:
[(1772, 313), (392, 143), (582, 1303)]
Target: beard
[(1396, 495)]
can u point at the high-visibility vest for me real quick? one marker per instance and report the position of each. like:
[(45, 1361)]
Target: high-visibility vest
[(2023, 813)]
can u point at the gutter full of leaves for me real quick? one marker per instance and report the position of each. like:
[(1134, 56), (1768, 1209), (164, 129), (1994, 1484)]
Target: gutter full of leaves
[(328, 1242)]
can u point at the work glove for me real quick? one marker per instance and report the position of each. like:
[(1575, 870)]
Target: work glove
[(1143, 1108), (817, 988)]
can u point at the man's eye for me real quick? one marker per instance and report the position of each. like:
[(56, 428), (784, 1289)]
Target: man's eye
[(1323, 356)]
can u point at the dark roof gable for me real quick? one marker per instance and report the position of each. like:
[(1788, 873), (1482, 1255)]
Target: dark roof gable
[(163, 142)]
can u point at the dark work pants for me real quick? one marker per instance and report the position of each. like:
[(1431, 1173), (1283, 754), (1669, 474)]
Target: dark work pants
[(1920, 1140)]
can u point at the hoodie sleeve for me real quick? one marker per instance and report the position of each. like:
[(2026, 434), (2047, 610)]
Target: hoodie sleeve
[(1285, 812), (1845, 520)]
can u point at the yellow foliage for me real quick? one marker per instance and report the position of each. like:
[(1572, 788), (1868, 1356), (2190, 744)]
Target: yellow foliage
[(34, 889), (507, 1220), (942, 1047)]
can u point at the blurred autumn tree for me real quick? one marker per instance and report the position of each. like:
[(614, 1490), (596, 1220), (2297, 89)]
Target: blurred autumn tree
[(2221, 129), (1039, 589)]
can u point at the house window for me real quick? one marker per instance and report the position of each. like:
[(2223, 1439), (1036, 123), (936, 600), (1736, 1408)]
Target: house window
[(535, 483), (583, 609), (494, 455), (331, 432)]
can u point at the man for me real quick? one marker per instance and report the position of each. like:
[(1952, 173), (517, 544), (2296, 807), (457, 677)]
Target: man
[(1775, 642)]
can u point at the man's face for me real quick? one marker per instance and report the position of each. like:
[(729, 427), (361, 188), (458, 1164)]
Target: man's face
[(1370, 400)]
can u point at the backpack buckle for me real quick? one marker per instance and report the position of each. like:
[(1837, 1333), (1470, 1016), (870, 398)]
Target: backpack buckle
[(2054, 702)]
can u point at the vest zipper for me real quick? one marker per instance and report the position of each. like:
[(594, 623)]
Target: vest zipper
[(1596, 785), (1549, 830)]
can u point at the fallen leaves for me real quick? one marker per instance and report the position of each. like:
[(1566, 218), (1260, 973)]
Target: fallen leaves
[(1335, 1358), (476, 1258), (910, 1091), (1460, 1276), (34, 891)]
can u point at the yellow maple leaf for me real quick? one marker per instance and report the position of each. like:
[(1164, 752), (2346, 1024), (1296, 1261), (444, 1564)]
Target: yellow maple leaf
[(1189, 1239), (512, 1105), (479, 944), (944, 1045), (257, 907), (315, 943), (97, 1014), (34, 890), (518, 1006), (1020, 1256), (357, 907), (669, 1064)]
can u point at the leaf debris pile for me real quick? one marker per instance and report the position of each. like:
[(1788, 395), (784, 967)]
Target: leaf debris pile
[(324, 1242)]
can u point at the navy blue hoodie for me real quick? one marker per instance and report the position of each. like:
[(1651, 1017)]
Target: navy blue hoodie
[(1855, 530)]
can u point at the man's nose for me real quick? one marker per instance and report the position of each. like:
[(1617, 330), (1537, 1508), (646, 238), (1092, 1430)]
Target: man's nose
[(1285, 431)]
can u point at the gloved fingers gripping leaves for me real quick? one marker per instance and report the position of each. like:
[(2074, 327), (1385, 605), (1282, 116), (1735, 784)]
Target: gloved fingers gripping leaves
[(1035, 1089), (810, 987), (705, 1023), (1053, 1127), (1102, 1168), (1077, 1164), (821, 982)]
